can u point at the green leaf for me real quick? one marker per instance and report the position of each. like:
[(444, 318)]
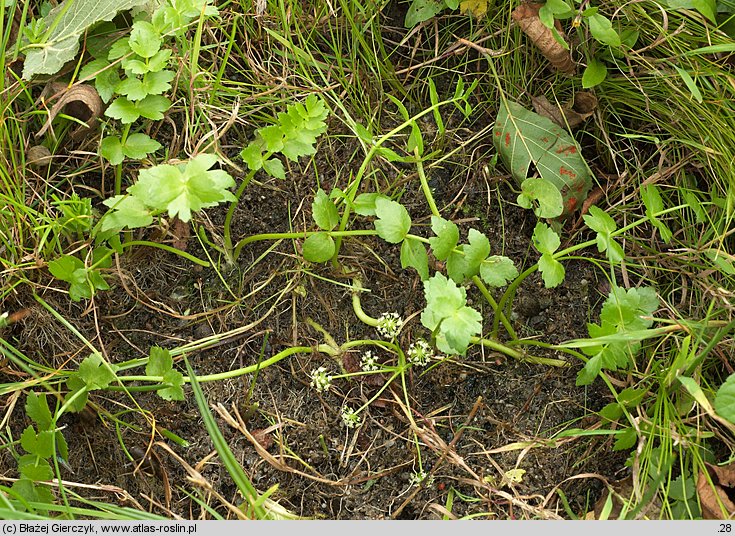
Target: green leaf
[(477, 249), (422, 10), (447, 236), (145, 40), (552, 271), (413, 254), (545, 239), (319, 247), (691, 84), (364, 204), (654, 204), (125, 211), (139, 146), (324, 211), (112, 150), (95, 373), (274, 168), (67, 22), (160, 363), (124, 110), (253, 156), (132, 88), (64, 267), (41, 444), (446, 311), (153, 107), (119, 49), (157, 83), (594, 74), (708, 8), (600, 221), (37, 409), (523, 137), (393, 221), (297, 129), (34, 468), (601, 29), (185, 188), (725, 399), (496, 271), (543, 196)]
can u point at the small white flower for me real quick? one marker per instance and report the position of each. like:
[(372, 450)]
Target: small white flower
[(389, 325), (350, 418), (418, 477), (320, 380), (420, 353), (369, 362)]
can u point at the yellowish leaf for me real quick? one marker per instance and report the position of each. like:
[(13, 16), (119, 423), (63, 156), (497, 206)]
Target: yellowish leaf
[(478, 8)]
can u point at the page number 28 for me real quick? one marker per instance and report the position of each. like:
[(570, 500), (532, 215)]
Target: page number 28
[(725, 527)]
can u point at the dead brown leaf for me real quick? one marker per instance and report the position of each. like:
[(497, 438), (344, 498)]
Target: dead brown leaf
[(569, 115), (526, 15), (714, 498), (80, 101), (38, 156), (181, 231)]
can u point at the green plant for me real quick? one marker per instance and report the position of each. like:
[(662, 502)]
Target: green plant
[(42, 443)]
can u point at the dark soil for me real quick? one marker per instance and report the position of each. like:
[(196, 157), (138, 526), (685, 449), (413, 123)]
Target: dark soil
[(327, 470), (361, 474)]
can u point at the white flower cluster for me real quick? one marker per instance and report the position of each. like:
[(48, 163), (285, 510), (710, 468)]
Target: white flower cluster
[(389, 325), (369, 362), (350, 418), (420, 353), (418, 477), (320, 380)]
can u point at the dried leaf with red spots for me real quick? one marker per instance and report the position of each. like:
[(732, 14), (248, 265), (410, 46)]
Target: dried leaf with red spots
[(526, 15)]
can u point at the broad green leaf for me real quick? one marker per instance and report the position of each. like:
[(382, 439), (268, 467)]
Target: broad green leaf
[(139, 146), (67, 22), (125, 211), (447, 236), (708, 8), (601, 29), (393, 221), (160, 363), (422, 10), (64, 267), (324, 211), (145, 40), (600, 221), (545, 239), (157, 83), (153, 106), (496, 271), (541, 195), (185, 188), (95, 373), (274, 168), (253, 156), (523, 137), (319, 247), (111, 149), (594, 74), (34, 468), (365, 204), (446, 310), (41, 444), (297, 129), (37, 409), (552, 271), (413, 254), (132, 88), (124, 110), (725, 399), (475, 251)]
